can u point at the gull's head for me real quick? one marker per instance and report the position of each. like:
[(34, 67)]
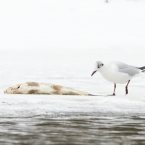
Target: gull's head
[(98, 65)]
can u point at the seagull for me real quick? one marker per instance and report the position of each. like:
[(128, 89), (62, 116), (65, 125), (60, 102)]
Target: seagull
[(118, 72)]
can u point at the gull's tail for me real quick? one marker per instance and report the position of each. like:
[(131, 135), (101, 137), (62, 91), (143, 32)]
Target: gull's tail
[(142, 68)]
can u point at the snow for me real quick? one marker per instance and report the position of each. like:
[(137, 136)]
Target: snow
[(59, 42), (54, 106)]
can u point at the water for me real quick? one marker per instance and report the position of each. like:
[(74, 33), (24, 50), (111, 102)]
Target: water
[(73, 130)]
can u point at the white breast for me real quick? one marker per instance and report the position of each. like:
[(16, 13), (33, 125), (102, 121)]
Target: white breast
[(110, 72)]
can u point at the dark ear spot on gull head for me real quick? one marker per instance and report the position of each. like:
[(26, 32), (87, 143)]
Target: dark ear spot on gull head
[(99, 64)]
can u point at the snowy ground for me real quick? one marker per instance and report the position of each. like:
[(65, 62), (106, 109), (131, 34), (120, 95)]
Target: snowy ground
[(36, 66), (58, 43)]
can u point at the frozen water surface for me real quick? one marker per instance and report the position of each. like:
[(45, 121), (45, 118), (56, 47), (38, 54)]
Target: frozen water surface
[(59, 42), (41, 66)]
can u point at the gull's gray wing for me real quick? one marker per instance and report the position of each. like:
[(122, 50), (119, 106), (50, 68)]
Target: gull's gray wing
[(125, 68)]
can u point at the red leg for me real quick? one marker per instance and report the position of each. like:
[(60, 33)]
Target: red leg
[(126, 88), (114, 90)]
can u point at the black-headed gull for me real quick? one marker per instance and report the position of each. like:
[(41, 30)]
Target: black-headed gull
[(118, 72)]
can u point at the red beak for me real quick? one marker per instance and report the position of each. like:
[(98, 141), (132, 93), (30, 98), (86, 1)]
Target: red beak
[(93, 73)]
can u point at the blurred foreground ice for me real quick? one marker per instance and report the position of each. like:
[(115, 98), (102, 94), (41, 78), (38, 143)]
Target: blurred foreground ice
[(63, 106)]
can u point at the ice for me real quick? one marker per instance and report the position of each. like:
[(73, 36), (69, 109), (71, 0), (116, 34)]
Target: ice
[(59, 42), (63, 106)]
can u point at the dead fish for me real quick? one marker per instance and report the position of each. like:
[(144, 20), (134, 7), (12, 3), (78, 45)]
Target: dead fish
[(41, 88)]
